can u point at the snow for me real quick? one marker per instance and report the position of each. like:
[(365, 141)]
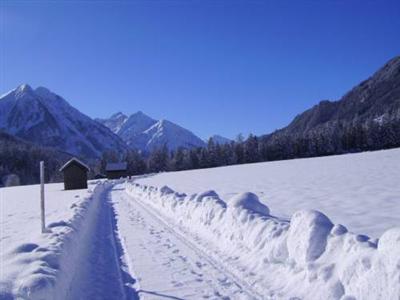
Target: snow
[(165, 264), (144, 133), (250, 202), (134, 125), (129, 239), (43, 117), (358, 190), (115, 122), (74, 159), (167, 133), (308, 234), (35, 265), (275, 258)]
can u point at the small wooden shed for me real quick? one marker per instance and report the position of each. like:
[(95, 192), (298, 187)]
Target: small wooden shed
[(75, 174), (116, 170)]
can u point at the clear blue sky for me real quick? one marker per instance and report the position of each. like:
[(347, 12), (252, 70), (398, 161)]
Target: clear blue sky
[(211, 66)]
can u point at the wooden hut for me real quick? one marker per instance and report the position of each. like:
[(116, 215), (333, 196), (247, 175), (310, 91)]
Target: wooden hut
[(75, 174), (116, 170)]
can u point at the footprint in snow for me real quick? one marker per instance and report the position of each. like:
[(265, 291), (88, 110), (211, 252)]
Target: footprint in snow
[(177, 284), (182, 258), (200, 265)]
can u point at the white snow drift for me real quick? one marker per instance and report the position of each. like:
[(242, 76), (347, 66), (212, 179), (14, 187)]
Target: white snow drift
[(307, 257), (41, 266), (360, 190)]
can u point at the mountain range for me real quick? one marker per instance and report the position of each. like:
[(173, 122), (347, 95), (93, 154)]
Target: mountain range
[(365, 118), (44, 118), (141, 132)]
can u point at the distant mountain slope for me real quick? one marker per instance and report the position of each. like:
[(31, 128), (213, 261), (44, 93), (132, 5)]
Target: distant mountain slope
[(168, 133), (144, 133), (115, 122), (365, 118), (218, 139), (46, 119), (376, 99), (135, 125), (22, 158)]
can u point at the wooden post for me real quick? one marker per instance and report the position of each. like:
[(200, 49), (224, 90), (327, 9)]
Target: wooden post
[(42, 196)]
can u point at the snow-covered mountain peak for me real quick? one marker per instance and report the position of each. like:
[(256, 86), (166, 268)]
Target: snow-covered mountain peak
[(24, 88), (144, 133), (139, 113), (165, 132), (135, 124), (22, 91), (115, 122), (44, 118), (163, 123), (118, 115)]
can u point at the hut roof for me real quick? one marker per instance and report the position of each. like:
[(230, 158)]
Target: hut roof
[(121, 166), (74, 160)]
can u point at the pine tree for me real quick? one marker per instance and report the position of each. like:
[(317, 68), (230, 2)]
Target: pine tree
[(158, 160), (178, 160), (135, 162), (251, 149)]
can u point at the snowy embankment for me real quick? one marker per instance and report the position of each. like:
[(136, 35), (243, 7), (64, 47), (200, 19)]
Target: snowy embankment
[(306, 257), (360, 190), (42, 266)]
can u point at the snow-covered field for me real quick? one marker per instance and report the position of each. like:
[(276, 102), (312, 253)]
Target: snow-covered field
[(241, 232), (30, 262), (269, 258), (361, 190)]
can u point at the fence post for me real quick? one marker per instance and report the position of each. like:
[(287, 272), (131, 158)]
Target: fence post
[(42, 197)]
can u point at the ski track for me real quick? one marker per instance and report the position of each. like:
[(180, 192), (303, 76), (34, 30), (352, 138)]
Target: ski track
[(166, 264), (99, 274), (130, 252)]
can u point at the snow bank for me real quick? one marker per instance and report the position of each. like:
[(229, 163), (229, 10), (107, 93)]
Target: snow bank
[(250, 202), (43, 269), (360, 190), (305, 257)]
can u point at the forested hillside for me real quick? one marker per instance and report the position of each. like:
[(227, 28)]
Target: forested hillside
[(366, 118), (22, 159)]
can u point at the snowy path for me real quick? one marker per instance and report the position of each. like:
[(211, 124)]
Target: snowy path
[(165, 264), (99, 274)]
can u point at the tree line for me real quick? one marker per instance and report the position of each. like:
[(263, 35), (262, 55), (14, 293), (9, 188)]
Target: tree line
[(22, 158), (326, 140), (19, 161)]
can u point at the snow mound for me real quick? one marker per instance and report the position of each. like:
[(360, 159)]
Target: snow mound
[(389, 244), (210, 196), (307, 256), (250, 202), (308, 233), (206, 194)]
